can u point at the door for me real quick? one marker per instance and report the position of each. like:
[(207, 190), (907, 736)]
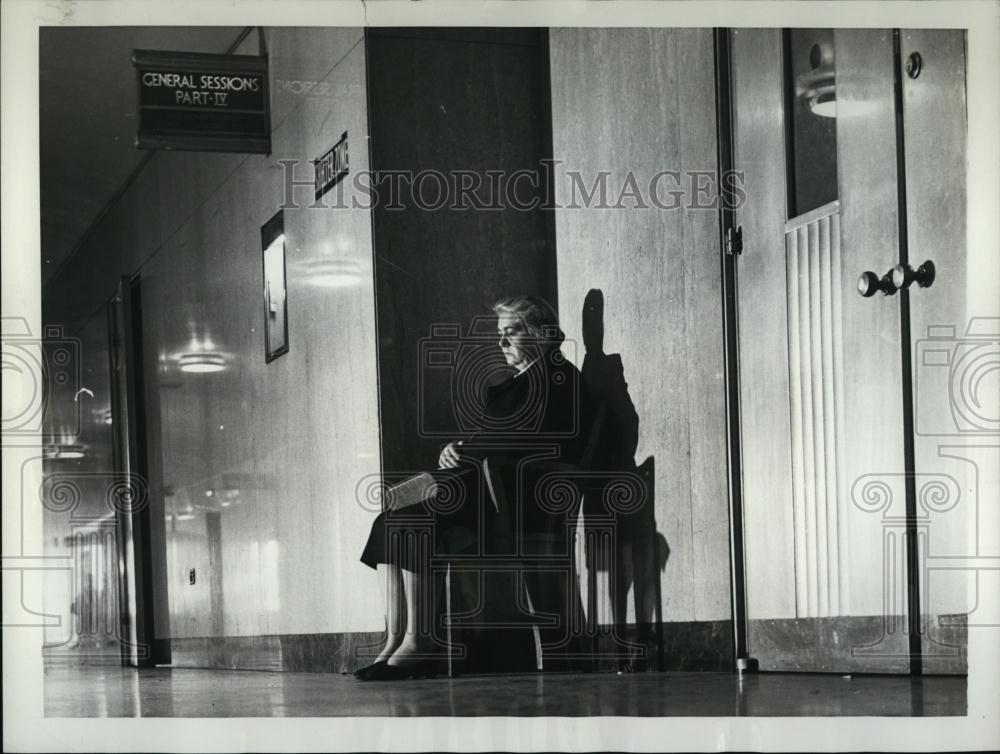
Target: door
[(830, 475)]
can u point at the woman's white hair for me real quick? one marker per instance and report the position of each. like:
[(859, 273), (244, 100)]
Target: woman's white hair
[(538, 316)]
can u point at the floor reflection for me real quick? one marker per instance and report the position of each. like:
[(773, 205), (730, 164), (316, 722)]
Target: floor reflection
[(80, 690)]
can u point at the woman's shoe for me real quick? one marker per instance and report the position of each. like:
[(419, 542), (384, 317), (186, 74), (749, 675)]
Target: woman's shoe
[(362, 673), (383, 671), (421, 669)]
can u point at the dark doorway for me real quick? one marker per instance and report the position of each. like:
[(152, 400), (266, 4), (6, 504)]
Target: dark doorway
[(139, 594)]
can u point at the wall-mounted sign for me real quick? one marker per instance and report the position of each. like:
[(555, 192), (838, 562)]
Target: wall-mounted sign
[(202, 102), (331, 167)]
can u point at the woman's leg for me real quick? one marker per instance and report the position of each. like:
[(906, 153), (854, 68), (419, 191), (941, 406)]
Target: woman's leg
[(414, 645), (391, 579), (622, 576)]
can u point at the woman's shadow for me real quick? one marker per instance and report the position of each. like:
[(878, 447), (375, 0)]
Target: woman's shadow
[(620, 523)]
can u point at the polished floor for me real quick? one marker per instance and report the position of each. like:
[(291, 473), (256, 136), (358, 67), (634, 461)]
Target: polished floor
[(74, 690)]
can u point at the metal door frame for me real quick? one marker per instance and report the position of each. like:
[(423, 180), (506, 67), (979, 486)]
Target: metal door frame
[(729, 246), (131, 472)]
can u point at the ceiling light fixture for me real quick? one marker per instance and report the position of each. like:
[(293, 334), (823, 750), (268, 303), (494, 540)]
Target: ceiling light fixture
[(64, 452), (818, 86), (202, 362)]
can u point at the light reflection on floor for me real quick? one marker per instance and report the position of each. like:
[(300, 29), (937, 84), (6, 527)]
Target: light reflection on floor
[(73, 690)]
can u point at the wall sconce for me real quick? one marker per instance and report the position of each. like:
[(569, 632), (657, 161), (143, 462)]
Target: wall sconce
[(818, 86)]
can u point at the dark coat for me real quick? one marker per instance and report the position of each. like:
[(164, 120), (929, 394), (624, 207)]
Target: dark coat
[(529, 420), (533, 422)]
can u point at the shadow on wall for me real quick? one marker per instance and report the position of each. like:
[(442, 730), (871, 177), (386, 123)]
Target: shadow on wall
[(620, 529)]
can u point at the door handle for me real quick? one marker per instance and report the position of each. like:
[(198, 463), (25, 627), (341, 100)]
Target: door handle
[(899, 278), (869, 284), (903, 276)]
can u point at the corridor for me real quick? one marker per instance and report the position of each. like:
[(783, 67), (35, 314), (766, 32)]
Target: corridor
[(524, 349)]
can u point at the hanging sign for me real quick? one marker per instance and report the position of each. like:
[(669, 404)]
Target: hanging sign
[(331, 167), (202, 102)]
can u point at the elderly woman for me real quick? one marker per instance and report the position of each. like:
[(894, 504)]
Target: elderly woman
[(539, 411)]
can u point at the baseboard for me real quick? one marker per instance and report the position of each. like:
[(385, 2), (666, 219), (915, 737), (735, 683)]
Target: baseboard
[(696, 646), (835, 645), (319, 653), (689, 645), (858, 644)]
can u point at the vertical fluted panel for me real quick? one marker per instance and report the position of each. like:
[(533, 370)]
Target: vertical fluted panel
[(837, 491), (795, 399), (808, 485), (815, 397), (813, 252)]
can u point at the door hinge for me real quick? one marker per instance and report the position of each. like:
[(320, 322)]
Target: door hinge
[(734, 240)]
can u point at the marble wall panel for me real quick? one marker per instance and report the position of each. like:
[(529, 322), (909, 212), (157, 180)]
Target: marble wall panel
[(628, 104)]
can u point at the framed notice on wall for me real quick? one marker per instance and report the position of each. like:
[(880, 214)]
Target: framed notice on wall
[(202, 102), (272, 236)]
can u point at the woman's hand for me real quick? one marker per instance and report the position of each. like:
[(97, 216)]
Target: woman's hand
[(450, 456)]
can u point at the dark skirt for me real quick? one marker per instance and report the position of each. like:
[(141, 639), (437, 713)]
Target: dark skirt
[(460, 523)]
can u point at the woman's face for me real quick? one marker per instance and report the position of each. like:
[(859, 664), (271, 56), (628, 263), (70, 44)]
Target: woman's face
[(515, 341)]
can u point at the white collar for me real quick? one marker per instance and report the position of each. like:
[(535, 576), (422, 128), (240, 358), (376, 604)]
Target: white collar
[(526, 368)]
